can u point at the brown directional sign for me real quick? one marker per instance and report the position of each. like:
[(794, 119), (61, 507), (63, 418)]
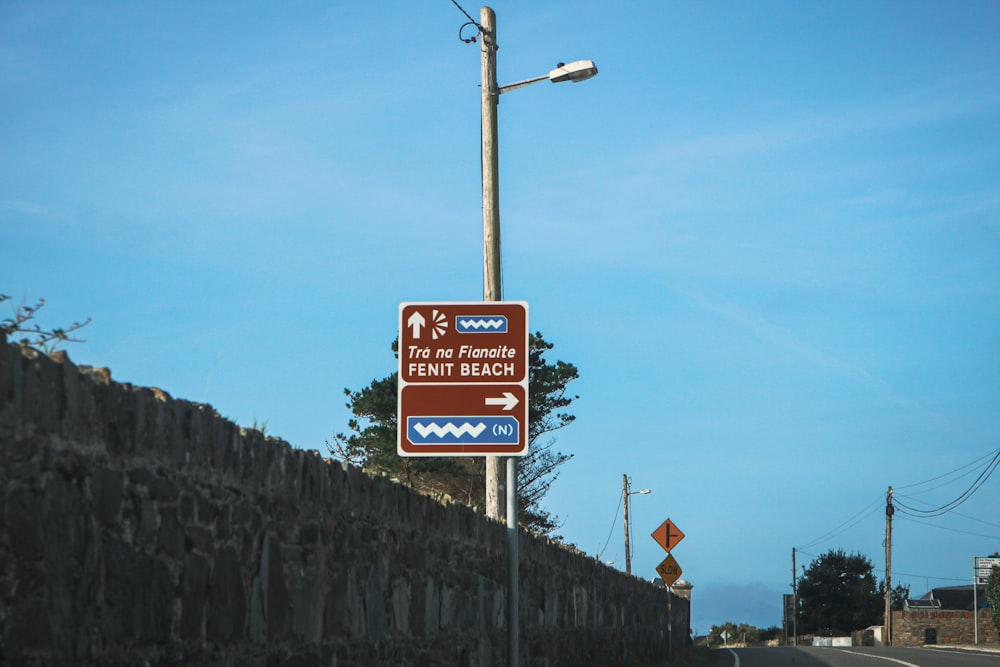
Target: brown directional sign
[(463, 379), (668, 535), (669, 570)]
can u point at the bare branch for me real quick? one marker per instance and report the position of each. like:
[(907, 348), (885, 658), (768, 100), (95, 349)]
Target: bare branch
[(37, 336)]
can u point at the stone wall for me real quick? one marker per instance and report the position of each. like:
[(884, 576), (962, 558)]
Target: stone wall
[(909, 628), (140, 529)]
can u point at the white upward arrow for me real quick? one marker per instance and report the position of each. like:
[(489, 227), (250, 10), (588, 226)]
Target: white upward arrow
[(415, 322), (508, 400)]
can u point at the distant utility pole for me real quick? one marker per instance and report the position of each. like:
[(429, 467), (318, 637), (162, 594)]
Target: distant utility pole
[(889, 511), (625, 495), (795, 603), (628, 552)]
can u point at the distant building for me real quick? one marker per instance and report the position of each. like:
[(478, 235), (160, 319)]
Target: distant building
[(950, 598), (944, 615), (683, 588)]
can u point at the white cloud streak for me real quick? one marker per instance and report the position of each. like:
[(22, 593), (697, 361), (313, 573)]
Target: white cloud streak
[(786, 340)]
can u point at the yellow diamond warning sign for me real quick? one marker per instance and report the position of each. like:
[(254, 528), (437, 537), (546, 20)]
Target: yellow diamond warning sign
[(669, 570), (668, 535)]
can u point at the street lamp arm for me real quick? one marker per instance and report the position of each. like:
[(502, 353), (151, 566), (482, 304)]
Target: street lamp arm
[(578, 70), (520, 84)]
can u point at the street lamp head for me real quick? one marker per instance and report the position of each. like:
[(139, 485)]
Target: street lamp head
[(578, 70), (644, 492)]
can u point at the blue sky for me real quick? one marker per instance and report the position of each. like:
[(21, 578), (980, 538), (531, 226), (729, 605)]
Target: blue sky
[(768, 234)]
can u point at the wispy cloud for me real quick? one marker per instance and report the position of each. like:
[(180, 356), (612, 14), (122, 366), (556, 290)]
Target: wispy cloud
[(25, 208), (943, 102), (785, 340)]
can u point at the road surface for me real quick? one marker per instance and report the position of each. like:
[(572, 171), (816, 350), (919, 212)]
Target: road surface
[(855, 656)]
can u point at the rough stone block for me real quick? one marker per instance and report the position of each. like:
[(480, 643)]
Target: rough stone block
[(145, 523), (306, 602), (139, 596), (26, 448), (24, 526), (71, 567), (194, 586), (198, 538), (171, 536), (163, 490), (27, 628), (227, 599), (106, 487)]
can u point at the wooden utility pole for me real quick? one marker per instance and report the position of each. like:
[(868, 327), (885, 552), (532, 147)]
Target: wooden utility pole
[(628, 551), (795, 603), (889, 511), (493, 291), (492, 271)]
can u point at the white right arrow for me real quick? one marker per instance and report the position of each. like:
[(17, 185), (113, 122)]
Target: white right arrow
[(508, 400), (415, 322)]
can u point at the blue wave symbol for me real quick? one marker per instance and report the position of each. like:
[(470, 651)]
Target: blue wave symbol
[(490, 430), (481, 324)]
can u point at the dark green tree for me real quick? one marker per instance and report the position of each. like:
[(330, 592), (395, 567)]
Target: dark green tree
[(838, 593), (993, 597), (371, 442), (773, 633), (547, 401), (897, 599), (730, 633)]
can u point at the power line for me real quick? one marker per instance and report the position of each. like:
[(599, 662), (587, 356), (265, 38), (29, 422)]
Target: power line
[(951, 530), (977, 520), (958, 501), (941, 485), (959, 514), (471, 21), (896, 573), (464, 12), (871, 508), (947, 474), (613, 523)]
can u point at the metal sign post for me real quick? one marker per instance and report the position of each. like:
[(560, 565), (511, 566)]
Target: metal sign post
[(463, 391), (667, 535), (975, 598)]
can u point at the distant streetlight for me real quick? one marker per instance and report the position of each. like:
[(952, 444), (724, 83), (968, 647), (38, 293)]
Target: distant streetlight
[(625, 491)]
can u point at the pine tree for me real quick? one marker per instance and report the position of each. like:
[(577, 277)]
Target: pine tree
[(371, 442)]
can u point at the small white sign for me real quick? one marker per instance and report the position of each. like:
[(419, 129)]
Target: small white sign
[(984, 567)]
